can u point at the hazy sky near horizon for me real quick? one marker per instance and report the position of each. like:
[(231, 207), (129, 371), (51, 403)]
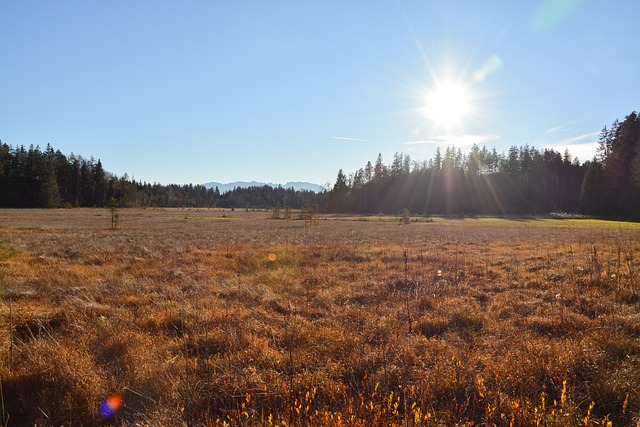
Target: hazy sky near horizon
[(198, 91)]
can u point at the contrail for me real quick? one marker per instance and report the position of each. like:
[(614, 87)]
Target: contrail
[(344, 138)]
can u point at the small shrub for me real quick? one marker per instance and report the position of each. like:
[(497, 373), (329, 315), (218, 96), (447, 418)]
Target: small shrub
[(405, 216), (115, 212)]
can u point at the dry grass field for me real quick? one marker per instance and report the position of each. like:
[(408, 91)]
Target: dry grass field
[(208, 317)]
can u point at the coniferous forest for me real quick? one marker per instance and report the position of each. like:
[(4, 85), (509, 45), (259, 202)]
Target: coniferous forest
[(525, 180), (33, 178)]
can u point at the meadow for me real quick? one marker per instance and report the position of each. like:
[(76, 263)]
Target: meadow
[(186, 317)]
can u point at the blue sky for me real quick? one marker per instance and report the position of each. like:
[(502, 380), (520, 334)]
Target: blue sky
[(198, 91)]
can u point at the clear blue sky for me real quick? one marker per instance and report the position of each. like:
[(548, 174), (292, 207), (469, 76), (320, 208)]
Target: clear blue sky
[(198, 91)]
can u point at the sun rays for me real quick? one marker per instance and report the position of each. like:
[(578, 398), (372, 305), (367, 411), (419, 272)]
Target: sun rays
[(447, 104)]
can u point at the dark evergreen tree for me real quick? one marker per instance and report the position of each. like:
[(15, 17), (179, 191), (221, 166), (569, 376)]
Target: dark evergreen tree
[(338, 200), (437, 161), (368, 172), (474, 161), (50, 192), (5, 175), (623, 193), (592, 190), (611, 187), (396, 165), (99, 182), (379, 170)]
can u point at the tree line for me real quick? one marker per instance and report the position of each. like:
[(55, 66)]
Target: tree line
[(35, 178), (271, 197), (525, 180)]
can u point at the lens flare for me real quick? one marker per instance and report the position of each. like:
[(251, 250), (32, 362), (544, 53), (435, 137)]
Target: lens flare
[(550, 13), (490, 66), (110, 406)]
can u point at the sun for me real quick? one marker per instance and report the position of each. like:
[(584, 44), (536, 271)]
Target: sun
[(447, 104)]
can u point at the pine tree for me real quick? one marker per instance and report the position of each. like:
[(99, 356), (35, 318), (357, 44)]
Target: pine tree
[(368, 172), (99, 185), (473, 163), (379, 170), (592, 199), (396, 165), (50, 191), (338, 198), (622, 191), (406, 164), (511, 165), (437, 161), (5, 170)]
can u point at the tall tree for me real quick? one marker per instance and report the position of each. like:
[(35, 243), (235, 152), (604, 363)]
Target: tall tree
[(368, 172), (592, 190), (622, 189), (338, 198), (437, 160), (50, 191), (396, 165), (379, 170), (474, 163), (99, 185)]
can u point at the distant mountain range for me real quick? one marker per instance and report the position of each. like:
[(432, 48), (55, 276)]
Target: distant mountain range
[(223, 188)]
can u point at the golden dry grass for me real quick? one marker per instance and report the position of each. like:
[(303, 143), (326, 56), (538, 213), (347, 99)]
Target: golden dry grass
[(201, 317)]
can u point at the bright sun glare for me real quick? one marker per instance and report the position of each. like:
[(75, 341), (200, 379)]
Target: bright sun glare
[(447, 104)]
